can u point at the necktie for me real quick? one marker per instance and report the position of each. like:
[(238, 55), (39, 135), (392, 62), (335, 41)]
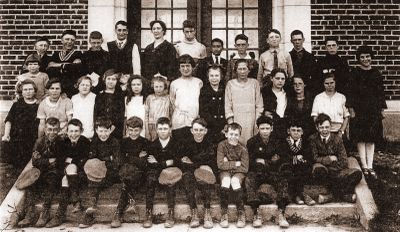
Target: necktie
[(275, 59), (216, 60), (324, 140), (120, 44)]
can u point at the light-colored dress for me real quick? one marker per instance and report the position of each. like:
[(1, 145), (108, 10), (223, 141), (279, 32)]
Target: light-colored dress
[(136, 107), (84, 111), (184, 94), (243, 102), (157, 107), (60, 110)]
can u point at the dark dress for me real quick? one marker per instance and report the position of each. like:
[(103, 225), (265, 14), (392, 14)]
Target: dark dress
[(161, 59), (367, 98), (24, 127), (212, 109)]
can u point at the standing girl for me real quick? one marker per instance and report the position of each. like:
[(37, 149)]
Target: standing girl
[(135, 101)]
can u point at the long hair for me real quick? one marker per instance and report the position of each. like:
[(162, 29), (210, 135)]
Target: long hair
[(129, 92)]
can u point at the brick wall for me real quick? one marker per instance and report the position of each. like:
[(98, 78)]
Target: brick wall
[(358, 22), (22, 21)]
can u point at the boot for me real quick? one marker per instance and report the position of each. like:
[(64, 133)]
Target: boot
[(117, 220), (257, 219), (208, 222), (148, 220), (241, 222), (55, 221), (44, 218), (29, 217), (283, 223), (195, 221), (87, 221), (169, 223), (224, 223), (324, 198)]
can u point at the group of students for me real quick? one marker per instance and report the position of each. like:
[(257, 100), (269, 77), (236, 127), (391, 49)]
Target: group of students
[(278, 121)]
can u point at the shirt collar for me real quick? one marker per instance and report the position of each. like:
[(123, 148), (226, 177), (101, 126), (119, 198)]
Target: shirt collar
[(247, 57), (327, 137), (292, 141)]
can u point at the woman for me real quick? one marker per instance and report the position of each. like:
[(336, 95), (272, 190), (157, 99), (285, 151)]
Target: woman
[(300, 105), (159, 57), (54, 106), (366, 105), (243, 101)]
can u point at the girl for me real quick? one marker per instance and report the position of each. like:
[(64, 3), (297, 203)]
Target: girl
[(212, 103), (109, 104), (21, 126), (243, 101), (366, 102), (158, 105), (134, 100), (83, 104)]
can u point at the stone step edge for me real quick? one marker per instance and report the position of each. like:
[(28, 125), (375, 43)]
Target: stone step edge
[(304, 213)]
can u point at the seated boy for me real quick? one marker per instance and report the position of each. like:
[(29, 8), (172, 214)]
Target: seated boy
[(134, 162), (267, 167), (233, 164), (198, 153), (107, 149), (297, 149), (47, 158), (75, 149), (330, 162), (162, 154)]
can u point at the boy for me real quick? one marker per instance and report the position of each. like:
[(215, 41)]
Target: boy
[(34, 74), (162, 155), (303, 61), (266, 167), (184, 95), (107, 149), (47, 157), (198, 153), (333, 63), (330, 162), (273, 58), (214, 59), (297, 149), (190, 45), (233, 164), (96, 61), (124, 54), (241, 44), (20, 129), (41, 46), (75, 149), (134, 160)]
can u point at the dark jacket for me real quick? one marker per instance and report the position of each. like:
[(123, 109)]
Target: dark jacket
[(233, 154), (121, 59), (169, 152), (108, 151), (98, 62), (199, 153), (79, 153), (341, 71), (130, 150), (49, 149), (304, 64)]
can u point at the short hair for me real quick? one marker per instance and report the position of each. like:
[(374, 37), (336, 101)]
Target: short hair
[(241, 61), (217, 40), (109, 72), (53, 81), (273, 31), (321, 118), (215, 67), (32, 58), (27, 82), (103, 122), (234, 126), (278, 70), (296, 32), (264, 119), (188, 24), (242, 37), (294, 122), (121, 22), (134, 122), (162, 24), (95, 35), (163, 121), (79, 81), (200, 121), (186, 59), (52, 121), (68, 32), (364, 50), (331, 38), (76, 122), (328, 75)]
